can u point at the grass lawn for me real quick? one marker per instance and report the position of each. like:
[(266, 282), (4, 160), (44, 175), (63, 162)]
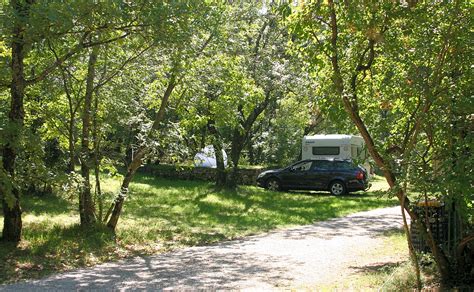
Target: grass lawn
[(160, 215)]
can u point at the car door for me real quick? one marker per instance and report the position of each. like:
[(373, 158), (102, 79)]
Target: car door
[(295, 176), (320, 174)]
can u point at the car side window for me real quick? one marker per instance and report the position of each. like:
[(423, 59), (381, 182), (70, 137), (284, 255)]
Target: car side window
[(304, 166), (343, 165), (322, 165)]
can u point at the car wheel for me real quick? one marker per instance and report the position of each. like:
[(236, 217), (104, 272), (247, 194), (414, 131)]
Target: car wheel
[(273, 184), (337, 188)]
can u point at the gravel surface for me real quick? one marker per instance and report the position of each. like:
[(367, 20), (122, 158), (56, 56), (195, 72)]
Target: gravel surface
[(304, 256)]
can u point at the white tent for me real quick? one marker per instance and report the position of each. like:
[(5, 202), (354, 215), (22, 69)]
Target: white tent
[(207, 157)]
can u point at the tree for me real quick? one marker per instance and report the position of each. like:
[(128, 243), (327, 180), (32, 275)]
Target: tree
[(184, 46), (392, 67), (245, 75), (24, 28), (272, 71)]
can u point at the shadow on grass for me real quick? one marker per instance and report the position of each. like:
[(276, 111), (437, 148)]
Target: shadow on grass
[(55, 249), (392, 232), (377, 268), (75, 239), (194, 213), (166, 213), (47, 204)]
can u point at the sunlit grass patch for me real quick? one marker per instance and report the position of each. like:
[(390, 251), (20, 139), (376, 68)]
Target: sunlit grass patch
[(378, 183), (383, 275), (160, 215), (395, 273)]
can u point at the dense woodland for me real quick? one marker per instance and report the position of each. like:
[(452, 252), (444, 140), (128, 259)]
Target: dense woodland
[(91, 87)]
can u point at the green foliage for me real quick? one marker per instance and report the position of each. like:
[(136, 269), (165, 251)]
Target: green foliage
[(246, 71), (281, 143)]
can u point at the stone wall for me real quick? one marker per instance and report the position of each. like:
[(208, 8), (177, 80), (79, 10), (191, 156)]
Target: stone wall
[(244, 177)]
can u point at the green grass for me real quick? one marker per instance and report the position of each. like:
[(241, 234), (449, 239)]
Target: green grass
[(393, 273), (160, 215), (387, 275)]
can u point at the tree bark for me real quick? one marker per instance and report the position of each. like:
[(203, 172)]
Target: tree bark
[(86, 203), (71, 147), (12, 224), (221, 179), (119, 200), (251, 150), (237, 145), (221, 175), (97, 156), (71, 124)]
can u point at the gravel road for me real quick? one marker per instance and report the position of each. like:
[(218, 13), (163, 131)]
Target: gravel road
[(304, 256)]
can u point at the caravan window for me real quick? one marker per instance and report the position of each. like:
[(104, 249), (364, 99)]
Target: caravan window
[(326, 150), (354, 151), (361, 152), (357, 152)]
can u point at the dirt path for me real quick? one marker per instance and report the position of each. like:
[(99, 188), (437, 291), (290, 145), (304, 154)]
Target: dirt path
[(304, 256)]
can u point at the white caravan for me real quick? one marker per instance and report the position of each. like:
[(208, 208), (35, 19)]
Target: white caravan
[(335, 146)]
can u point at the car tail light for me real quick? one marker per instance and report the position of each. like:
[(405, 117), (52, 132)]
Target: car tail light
[(360, 175)]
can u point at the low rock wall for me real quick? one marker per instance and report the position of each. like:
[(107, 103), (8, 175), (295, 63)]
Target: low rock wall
[(244, 176)]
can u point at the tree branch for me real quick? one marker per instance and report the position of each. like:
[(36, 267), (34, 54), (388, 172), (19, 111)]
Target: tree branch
[(120, 68), (321, 44), (77, 48)]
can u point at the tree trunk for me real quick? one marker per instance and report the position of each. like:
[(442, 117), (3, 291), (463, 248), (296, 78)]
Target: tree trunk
[(118, 202), (251, 151), (241, 138), (138, 157), (71, 148), (71, 123), (86, 203), (12, 224), (221, 175), (97, 157), (237, 145), (411, 248), (221, 179)]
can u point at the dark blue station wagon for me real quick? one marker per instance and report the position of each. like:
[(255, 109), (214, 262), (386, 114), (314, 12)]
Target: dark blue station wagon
[(336, 176)]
